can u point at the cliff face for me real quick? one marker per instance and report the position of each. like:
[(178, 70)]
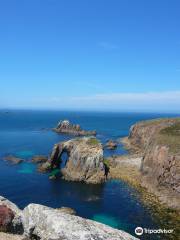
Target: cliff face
[(159, 142)]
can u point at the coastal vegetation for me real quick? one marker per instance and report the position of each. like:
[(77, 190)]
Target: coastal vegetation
[(170, 136), (93, 141)]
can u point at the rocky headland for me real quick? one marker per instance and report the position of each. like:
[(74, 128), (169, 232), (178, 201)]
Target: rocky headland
[(158, 142), (66, 127), (84, 160), (44, 223)]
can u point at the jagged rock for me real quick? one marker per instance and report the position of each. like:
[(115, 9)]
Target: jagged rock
[(46, 223), (67, 128), (39, 159), (10, 217), (13, 159), (67, 210), (84, 161), (111, 145)]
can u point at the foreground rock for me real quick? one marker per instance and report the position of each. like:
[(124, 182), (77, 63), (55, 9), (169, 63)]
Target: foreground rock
[(44, 223), (159, 143), (84, 160), (67, 210), (47, 223), (7, 236), (68, 128), (13, 159), (10, 217)]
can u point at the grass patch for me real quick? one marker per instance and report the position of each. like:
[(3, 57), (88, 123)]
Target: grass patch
[(93, 141), (170, 136), (173, 130), (106, 162)]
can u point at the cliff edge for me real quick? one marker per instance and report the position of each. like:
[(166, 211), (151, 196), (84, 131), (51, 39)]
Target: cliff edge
[(159, 143)]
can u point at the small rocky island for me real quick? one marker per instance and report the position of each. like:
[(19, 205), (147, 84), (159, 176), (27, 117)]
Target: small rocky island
[(44, 223), (66, 127), (84, 160)]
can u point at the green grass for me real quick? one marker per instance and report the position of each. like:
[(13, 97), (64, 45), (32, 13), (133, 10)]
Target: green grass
[(170, 136), (106, 162), (93, 141), (173, 130)]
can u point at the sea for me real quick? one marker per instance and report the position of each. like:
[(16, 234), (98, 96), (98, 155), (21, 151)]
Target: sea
[(25, 133)]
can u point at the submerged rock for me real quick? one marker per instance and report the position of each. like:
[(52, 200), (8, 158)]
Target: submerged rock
[(111, 145), (68, 128), (84, 159), (13, 159), (46, 223)]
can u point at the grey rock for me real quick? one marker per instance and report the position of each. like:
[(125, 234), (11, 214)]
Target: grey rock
[(49, 224)]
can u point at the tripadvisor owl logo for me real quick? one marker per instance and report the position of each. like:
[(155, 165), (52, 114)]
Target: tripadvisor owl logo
[(139, 231)]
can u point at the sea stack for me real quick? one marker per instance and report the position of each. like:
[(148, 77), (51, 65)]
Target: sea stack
[(66, 127), (84, 160)]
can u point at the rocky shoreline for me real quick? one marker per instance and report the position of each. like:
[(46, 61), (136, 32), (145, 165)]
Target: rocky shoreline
[(152, 165), (44, 223), (160, 165)]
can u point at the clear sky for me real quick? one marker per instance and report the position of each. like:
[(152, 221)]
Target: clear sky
[(90, 54)]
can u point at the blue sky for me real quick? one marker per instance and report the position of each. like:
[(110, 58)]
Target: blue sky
[(90, 54)]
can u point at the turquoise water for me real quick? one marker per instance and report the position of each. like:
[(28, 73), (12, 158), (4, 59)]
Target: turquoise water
[(27, 133), (27, 168)]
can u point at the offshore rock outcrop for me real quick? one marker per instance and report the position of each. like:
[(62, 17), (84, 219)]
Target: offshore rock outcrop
[(159, 142), (111, 145), (44, 223), (12, 159), (84, 160), (66, 127)]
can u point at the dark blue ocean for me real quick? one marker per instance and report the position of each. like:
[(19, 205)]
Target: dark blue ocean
[(28, 133)]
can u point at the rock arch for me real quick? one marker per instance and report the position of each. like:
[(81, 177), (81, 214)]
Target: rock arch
[(85, 159)]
